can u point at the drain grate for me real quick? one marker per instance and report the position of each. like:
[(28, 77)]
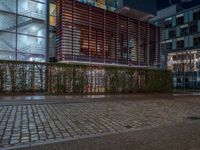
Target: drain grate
[(128, 127), (193, 118)]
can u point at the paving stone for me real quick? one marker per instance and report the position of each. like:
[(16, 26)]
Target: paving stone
[(46, 122)]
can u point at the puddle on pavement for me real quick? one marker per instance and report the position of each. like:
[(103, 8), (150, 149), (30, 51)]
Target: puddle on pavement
[(128, 127)]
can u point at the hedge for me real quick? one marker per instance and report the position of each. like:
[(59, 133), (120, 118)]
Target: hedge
[(62, 78)]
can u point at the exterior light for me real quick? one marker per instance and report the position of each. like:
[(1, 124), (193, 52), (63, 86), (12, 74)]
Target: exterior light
[(33, 28)]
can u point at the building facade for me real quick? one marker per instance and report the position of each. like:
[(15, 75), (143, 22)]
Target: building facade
[(23, 30), (111, 5), (76, 31), (93, 35), (96, 32), (181, 44)]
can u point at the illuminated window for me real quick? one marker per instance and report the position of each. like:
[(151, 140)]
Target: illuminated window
[(52, 19), (23, 30)]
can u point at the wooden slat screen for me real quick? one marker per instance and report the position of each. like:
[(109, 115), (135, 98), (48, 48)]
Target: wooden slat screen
[(90, 34)]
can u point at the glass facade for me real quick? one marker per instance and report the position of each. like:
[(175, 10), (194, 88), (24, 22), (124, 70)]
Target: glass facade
[(23, 29), (181, 43)]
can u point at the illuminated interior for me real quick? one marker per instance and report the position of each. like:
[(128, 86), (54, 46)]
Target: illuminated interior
[(23, 31), (185, 67), (184, 61), (52, 19)]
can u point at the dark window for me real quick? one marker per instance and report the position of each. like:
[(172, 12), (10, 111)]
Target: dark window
[(180, 20), (184, 31), (168, 24), (174, 67), (163, 46), (180, 44), (174, 58), (196, 15), (168, 45), (197, 41), (172, 33), (193, 28)]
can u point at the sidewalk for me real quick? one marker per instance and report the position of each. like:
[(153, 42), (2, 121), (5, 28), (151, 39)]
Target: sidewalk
[(178, 137), (56, 119), (28, 99)]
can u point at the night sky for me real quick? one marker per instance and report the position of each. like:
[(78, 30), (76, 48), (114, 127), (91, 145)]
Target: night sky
[(164, 3), (151, 6)]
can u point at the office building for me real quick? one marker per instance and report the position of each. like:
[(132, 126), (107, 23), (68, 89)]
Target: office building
[(88, 34), (23, 30), (83, 31), (180, 38)]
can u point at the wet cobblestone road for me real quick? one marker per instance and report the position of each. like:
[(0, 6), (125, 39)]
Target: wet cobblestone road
[(25, 124)]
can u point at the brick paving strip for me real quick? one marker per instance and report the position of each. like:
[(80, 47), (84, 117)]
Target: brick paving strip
[(29, 124)]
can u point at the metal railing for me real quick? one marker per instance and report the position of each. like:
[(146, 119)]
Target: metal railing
[(7, 43), (6, 5), (32, 13)]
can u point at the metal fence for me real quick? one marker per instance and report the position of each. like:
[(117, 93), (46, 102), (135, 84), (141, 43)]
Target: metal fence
[(57, 78)]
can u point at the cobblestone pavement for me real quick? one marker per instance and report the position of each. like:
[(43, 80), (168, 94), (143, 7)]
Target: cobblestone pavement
[(26, 124)]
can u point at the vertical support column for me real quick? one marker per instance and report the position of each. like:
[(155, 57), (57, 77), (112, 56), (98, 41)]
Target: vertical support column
[(159, 49), (104, 36), (128, 50), (59, 31), (88, 34), (117, 37), (47, 29), (157, 43), (90, 30), (16, 39), (138, 49), (72, 24), (148, 45)]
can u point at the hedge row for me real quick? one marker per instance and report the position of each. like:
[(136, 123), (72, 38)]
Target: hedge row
[(60, 78)]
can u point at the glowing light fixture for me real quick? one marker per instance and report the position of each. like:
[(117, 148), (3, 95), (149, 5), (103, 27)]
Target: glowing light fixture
[(33, 28)]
